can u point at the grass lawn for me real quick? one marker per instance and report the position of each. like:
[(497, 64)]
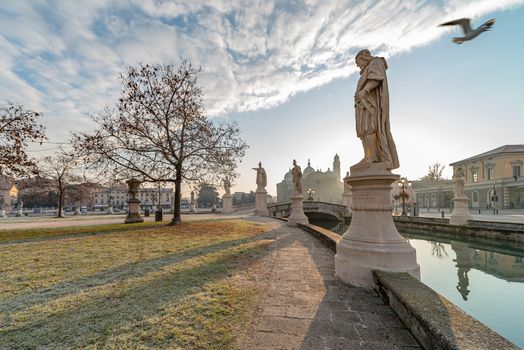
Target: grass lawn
[(192, 286)]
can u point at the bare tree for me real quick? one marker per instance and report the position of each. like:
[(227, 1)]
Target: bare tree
[(159, 132), (434, 173), (18, 127), (59, 172)]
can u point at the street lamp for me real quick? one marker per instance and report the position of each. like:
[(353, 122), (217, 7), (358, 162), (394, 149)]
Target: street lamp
[(310, 194), (402, 184)]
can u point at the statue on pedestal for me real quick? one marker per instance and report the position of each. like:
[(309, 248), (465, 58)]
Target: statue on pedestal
[(261, 177), (372, 111), (192, 197), (227, 186), (458, 182), (297, 176)]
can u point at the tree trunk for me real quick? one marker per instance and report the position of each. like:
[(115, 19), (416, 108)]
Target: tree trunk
[(178, 193), (60, 200)]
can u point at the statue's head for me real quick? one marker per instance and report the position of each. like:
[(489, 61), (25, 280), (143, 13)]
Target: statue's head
[(294, 162), (260, 164), (362, 58)]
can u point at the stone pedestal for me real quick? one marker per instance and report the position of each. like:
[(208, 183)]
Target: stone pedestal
[(261, 203), (460, 215), (227, 204), (297, 215), (2, 213), (192, 209), (133, 213), (372, 241), (110, 210)]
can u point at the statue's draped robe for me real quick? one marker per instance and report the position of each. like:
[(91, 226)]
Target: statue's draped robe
[(261, 178), (372, 115)]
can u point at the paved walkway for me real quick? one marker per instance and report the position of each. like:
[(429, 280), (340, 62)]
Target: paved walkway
[(307, 307)]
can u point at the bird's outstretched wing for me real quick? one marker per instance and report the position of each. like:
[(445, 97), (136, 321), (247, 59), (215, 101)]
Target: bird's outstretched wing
[(465, 23)]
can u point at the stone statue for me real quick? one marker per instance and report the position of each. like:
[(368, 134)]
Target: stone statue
[(227, 186), (458, 181), (261, 177), (192, 197), (347, 187), (133, 185), (372, 111), (297, 175)]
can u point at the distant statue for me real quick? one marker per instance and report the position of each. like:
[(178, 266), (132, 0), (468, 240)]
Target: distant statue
[(372, 111), (132, 185), (347, 187), (227, 186), (458, 181), (192, 197), (261, 177), (297, 175)]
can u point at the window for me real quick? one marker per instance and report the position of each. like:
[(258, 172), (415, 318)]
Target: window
[(475, 196), (516, 170), (475, 175), (490, 173)]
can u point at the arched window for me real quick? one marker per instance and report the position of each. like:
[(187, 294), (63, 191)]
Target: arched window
[(475, 196)]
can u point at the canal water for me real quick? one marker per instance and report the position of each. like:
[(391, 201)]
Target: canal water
[(485, 278)]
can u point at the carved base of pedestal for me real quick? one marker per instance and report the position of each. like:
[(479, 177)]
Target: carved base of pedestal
[(372, 241), (261, 203), (297, 215), (227, 204), (460, 215), (193, 209), (110, 210), (133, 213)]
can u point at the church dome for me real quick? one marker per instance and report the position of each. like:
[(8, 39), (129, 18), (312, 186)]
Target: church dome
[(308, 170)]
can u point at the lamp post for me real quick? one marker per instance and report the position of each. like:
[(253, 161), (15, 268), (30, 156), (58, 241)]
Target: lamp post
[(402, 184), (310, 194)]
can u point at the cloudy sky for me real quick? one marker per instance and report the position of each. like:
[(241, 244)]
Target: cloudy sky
[(283, 69)]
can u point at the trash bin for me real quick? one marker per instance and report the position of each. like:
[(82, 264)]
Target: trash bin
[(158, 215), (146, 212)]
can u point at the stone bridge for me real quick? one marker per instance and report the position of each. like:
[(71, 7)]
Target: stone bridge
[(311, 209)]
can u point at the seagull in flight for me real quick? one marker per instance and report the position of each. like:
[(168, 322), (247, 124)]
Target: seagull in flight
[(469, 33)]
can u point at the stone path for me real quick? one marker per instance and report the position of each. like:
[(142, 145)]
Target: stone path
[(307, 307)]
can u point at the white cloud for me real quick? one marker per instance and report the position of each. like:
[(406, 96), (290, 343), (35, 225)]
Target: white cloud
[(64, 57)]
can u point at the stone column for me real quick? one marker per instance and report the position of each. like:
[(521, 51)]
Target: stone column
[(133, 212), (372, 241), (192, 208), (261, 202), (460, 214), (297, 215), (227, 204), (347, 196)]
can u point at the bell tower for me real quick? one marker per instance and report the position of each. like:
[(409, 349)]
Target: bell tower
[(336, 166)]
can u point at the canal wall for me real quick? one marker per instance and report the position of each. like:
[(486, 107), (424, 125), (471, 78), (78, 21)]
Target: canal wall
[(474, 229), (432, 319)]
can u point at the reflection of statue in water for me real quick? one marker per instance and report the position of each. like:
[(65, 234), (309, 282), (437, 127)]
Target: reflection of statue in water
[(463, 283), (458, 181), (297, 175), (372, 111), (261, 177), (227, 185)]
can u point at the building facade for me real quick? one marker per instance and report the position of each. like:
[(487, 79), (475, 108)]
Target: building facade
[(118, 196), (8, 194), (324, 186), (493, 179)]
